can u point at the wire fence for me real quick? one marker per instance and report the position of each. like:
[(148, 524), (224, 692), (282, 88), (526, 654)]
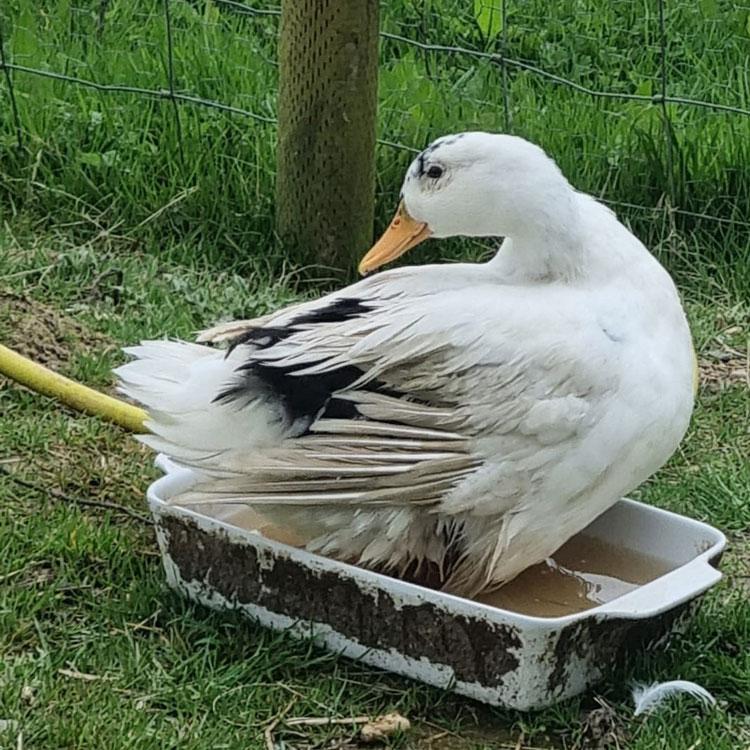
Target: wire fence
[(610, 86)]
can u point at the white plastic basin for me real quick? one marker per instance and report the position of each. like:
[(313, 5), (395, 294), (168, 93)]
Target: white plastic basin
[(490, 654)]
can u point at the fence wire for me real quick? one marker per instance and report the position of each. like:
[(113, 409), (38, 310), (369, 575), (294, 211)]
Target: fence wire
[(442, 52)]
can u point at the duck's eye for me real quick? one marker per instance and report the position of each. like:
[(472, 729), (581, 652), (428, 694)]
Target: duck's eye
[(435, 172)]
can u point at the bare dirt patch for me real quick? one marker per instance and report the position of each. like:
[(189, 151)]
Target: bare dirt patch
[(44, 334), (723, 368)]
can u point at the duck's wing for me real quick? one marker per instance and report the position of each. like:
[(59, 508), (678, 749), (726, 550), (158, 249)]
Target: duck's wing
[(395, 391), (356, 434)]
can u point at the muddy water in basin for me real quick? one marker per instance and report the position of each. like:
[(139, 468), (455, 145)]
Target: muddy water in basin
[(582, 574)]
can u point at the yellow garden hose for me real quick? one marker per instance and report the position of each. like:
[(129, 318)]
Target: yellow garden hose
[(43, 380)]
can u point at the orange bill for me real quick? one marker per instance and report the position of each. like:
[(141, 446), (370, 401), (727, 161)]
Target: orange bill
[(402, 234)]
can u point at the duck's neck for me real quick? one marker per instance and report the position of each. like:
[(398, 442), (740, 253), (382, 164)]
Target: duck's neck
[(548, 245)]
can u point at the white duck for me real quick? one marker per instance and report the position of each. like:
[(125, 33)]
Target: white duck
[(471, 417)]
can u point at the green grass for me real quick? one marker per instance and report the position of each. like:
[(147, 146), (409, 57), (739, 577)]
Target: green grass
[(82, 590), (113, 161)]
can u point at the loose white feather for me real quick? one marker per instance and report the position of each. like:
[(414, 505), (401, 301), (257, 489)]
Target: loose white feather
[(648, 698)]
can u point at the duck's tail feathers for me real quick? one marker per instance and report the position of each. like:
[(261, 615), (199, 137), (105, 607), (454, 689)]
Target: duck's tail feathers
[(178, 384)]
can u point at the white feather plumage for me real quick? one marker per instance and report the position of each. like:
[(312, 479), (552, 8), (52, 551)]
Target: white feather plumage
[(518, 398)]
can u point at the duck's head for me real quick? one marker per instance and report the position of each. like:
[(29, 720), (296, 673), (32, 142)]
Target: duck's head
[(474, 185)]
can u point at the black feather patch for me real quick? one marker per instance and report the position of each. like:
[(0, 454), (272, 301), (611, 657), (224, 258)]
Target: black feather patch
[(303, 397), (339, 408), (344, 308)]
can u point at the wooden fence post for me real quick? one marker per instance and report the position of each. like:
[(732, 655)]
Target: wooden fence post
[(328, 58)]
